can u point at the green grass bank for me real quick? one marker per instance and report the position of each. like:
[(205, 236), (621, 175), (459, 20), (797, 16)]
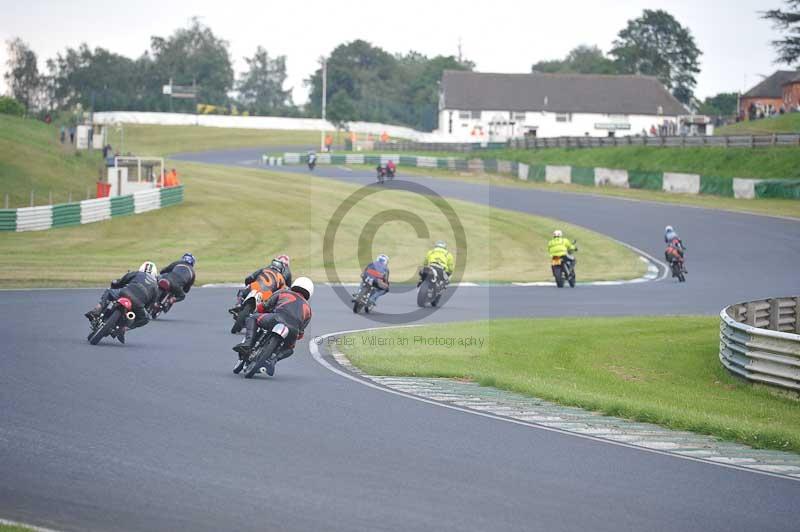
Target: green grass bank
[(662, 370)]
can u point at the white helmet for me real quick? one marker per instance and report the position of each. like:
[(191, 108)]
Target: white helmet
[(440, 244), (668, 229), (557, 233), (149, 268), (305, 284)]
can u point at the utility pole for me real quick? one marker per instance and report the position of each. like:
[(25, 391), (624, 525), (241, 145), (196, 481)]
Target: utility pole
[(324, 100)]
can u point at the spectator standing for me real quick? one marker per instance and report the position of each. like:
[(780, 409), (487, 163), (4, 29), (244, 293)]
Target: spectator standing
[(328, 142), (72, 134), (63, 133)]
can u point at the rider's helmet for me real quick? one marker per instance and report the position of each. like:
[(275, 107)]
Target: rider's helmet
[(188, 258), (284, 259), (669, 229), (149, 268), (557, 233), (303, 286), (382, 259), (440, 244), (277, 266)]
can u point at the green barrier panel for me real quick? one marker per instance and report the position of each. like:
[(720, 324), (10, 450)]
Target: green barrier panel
[(374, 159), (171, 196), (716, 185), (407, 160), (778, 188), (66, 214), (490, 165), (580, 175), (8, 219), (338, 159), (496, 145), (121, 205), (441, 162), (536, 172), (647, 180)]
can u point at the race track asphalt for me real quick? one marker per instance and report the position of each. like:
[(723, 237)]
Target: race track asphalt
[(158, 434)]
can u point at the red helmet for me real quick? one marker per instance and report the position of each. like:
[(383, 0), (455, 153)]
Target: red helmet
[(283, 258)]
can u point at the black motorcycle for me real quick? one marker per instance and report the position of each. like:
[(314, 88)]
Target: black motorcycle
[(361, 299), (432, 285), (112, 321), (564, 269), (263, 356), (164, 301), (312, 162), (678, 270)]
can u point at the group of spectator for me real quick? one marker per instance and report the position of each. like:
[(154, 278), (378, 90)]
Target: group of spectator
[(67, 130), (759, 110), (668, 128)]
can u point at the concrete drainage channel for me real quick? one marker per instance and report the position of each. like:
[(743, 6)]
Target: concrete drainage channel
[(472, 398)]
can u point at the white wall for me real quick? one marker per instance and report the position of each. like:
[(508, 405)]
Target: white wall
[(579, 125)]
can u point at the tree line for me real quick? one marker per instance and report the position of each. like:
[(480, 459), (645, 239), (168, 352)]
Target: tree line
[(364, 82)]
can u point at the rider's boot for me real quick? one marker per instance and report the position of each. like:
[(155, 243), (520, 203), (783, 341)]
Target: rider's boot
[(245, 348), (94, 313)]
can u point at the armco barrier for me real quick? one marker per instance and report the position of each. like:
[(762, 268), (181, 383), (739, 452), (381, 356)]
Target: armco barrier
[(87, 211), (760, 341)]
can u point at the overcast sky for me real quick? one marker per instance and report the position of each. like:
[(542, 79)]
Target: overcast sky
[(498, 35)]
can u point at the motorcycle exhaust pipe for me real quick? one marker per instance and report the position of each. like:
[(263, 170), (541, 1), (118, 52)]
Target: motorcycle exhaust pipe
[(130, 315)]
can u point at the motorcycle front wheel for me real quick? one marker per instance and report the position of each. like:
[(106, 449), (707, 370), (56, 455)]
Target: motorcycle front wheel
[(261, 357)]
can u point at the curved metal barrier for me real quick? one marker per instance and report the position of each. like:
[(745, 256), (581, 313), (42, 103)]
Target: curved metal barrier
[(760, 341)]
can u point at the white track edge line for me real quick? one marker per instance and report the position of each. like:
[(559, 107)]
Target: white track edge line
[(315, 353), (26, 525)]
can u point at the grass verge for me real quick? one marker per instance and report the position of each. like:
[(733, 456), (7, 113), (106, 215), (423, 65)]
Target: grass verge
[(233, 221), (763, 206), (662, 370), (7, 527), (32, 158), (788, 123), (165, 140)]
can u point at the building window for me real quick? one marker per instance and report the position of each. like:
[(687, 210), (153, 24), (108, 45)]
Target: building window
[(563, 117), (476, 115), (464, 115), (519, 117)]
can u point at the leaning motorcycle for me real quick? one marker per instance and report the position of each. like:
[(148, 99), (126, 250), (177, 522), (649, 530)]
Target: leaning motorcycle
[(312, 163), (381, 174), (564, 269), (244, 307), (112, 321), (262, 357), (361, 299), (432, 286), (164, 301)]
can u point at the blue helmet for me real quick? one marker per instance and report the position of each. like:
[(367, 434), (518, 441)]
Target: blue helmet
[(382, 259), (188, 258)]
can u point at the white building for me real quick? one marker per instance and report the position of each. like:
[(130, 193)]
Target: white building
[(476, 106)]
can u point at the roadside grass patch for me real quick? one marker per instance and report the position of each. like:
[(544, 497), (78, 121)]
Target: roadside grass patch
[(764, 206), (235, 219), (662, 370)]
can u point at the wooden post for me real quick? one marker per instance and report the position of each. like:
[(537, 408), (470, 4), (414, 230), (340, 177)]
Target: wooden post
[(32, 194), (69, 199)]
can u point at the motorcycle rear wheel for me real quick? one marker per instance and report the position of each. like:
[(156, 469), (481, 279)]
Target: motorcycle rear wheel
[(107, 327), (422, 293), (263, 354), (558, 273)]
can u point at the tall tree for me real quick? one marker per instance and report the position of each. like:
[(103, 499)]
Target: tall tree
[(656, 44), (96, 79), (583, 59), (194, 55), (789, 20), (261, 86), (23, 73)]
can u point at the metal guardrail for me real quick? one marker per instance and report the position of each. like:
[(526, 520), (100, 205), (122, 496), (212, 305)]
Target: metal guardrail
[(760, 341), (534, 143)]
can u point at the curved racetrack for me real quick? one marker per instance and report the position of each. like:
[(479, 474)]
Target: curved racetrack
[(159, 435)]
